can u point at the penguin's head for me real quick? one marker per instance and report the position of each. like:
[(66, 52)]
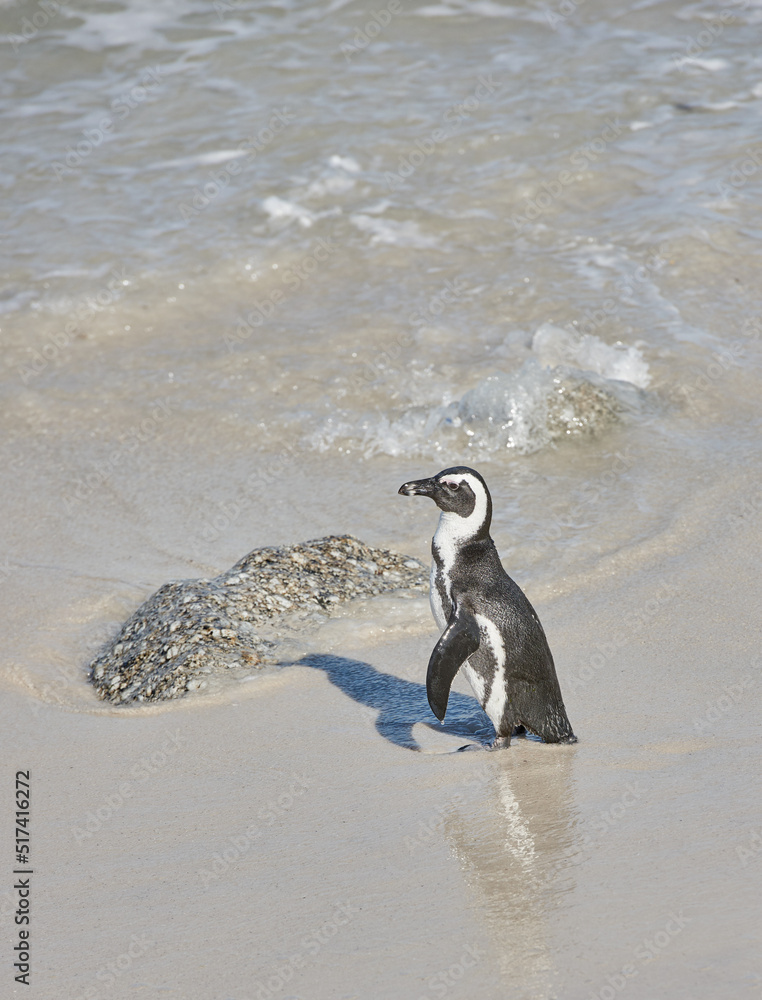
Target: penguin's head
[(460, 492)]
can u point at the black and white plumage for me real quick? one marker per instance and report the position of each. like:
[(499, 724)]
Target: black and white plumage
[(490, 630)]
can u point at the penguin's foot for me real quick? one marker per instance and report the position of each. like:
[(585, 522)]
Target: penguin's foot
[(500, 743)]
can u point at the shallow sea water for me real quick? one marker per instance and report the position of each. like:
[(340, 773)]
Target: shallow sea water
[(263, 263)]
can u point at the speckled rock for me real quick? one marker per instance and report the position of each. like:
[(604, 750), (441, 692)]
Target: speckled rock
[(579, 406), (193, 627)]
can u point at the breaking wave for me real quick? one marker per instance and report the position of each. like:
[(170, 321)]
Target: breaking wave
[(572, 386)]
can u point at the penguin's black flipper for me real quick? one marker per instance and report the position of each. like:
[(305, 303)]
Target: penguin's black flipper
[(458, 641)]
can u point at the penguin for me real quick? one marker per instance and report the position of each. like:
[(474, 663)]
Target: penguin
[(489, 628)]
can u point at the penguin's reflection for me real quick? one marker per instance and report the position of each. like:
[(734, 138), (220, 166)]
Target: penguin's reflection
[(513, 835), (515, 843)]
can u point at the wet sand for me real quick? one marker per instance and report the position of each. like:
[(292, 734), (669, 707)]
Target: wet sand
[(283, 833)]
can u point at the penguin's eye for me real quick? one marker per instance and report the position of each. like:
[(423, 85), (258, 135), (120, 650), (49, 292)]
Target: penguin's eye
[(453, 486)]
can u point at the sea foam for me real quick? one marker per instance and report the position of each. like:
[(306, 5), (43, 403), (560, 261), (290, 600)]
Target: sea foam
[(573, 385)]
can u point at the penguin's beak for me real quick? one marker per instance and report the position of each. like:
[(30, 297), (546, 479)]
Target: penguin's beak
[(419, 488)]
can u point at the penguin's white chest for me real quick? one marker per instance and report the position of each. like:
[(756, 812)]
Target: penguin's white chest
[(493, 697), (440, 582), (435, 597), (451, 534)]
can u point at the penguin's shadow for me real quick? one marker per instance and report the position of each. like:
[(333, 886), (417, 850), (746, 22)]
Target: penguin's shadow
[(401, 704)]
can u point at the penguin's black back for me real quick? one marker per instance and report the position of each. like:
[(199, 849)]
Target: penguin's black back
[(533, 697)]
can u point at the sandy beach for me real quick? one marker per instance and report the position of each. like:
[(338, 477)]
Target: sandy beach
[(282, 839)]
